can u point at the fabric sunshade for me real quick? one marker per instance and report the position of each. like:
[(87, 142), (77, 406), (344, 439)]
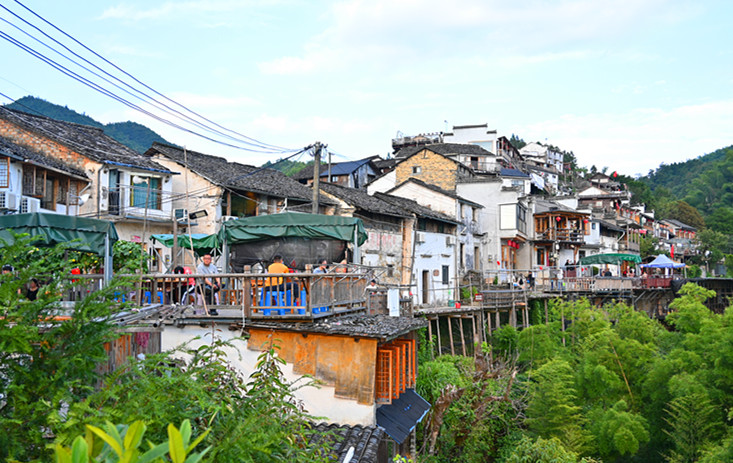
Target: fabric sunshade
[(57, 228), (202, 243), (292, 224), (609, 259), (662, 261)]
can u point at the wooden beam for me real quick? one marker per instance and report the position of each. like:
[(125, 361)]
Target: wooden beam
[(437, 332), (430, 335), (450, 334), (463, 337)]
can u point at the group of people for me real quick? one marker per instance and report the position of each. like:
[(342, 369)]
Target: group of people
[(31, 289)]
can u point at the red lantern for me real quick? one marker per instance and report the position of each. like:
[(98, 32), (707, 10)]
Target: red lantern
[(498, 263), (558, 219), (585, 220)]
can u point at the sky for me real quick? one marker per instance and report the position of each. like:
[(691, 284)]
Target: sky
[(626, 85)]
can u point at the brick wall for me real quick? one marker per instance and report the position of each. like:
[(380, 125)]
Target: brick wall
[(434, 169), (40, 144)]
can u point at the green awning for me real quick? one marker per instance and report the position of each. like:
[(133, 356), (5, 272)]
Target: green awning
[(292, 224), (56, 228), (202, 243), (609, 259)]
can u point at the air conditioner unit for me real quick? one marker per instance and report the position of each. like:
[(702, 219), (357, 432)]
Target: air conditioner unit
[(180, 214), (450, 240), (227, 218), (420, 237), (8, 200), (28, 205)]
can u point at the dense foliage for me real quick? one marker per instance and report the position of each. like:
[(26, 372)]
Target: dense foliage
[(131, 134), (51, 391), (606, 384)]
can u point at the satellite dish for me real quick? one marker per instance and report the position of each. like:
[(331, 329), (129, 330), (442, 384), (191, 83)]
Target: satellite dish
[(84, 198)]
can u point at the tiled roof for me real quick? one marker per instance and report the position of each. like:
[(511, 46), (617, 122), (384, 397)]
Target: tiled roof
[(382, 327), (365, 440), (543, 206), (90, 142), (22, 153), (337, 168), (446, 149), (505, 172), (437, 189), (415, 208), (235, 175), (362, 200)]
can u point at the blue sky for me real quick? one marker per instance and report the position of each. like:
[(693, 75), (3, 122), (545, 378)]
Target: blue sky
[(627, 84)]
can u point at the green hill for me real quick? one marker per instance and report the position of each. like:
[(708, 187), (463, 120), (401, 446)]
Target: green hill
[(131, 134)]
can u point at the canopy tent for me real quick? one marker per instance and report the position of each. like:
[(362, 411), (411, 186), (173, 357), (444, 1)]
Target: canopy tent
[(300, 238), (612, 258), (202, 243), (293, 224), (662, 261), (92, 235)]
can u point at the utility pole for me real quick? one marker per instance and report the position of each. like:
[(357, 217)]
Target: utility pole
[(316, 175), (174, 249)]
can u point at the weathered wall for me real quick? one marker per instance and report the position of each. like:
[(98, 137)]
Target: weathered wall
[(434, 169), (343, 363)]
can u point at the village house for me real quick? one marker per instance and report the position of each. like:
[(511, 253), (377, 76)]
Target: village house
[(119, 184), (559, 233), (351, 174), (390, 228), (467, 242), (433, 269), (33, 182)]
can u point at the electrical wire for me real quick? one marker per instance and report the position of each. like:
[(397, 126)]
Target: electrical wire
[(158, 105), (137, 80), (261, 147)]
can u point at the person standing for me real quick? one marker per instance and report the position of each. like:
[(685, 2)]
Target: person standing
[(211, 285)]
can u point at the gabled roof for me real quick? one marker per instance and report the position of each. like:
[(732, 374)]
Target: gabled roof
[(382, 327), (90, 142), (445, 149), (437, 189), (365, 441), (362, 200), (679, 224), (338, 168), (413, 207), (235, 175), (506, 172), (21, 153), (543, 206)]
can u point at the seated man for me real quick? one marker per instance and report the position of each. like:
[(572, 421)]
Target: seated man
[(279, 283)]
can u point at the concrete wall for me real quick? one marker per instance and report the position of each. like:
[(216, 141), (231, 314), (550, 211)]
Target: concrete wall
[(430, 255), (320, 401)]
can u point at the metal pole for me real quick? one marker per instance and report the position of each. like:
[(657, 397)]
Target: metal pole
[(316, 176), (174, 249)]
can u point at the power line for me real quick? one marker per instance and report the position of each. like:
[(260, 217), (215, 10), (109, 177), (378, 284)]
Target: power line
[(262, 147), (165, 108)]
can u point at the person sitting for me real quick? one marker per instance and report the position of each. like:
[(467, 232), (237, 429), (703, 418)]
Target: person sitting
[(322, 267), (32, 292), (273, 284), (180, 288)]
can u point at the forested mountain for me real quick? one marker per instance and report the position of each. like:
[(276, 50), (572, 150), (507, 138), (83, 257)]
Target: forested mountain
[(131, 134), (705, 183)]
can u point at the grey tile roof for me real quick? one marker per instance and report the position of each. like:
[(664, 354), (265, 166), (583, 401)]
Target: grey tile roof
[(365, 440), (337, 168), (679, 224), (436, 188), (544, 205), (21, 153), (90, 142), (419, 210), (382, 327), (234, 175), (446, 149), (362, 200)]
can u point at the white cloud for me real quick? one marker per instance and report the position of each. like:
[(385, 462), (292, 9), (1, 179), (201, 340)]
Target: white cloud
[(639, 140), (134, 13)]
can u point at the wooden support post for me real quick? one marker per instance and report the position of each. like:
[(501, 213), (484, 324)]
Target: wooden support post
[(475, 332), (463, 337), (450, 335), (430, 336), (488, 324), (497, 319), (437, 332), (547, 314)]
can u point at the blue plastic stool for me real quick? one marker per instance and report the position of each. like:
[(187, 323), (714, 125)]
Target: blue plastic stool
[(267, 296)]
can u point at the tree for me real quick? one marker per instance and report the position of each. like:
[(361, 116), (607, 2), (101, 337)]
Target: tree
[(692, 423), (686, 214)]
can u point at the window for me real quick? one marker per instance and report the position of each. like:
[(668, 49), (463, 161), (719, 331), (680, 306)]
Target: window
[(396, 369), (521, 218), (476, 258), (416, 169), (4, 172), (446, 275), (145, 188), (390, 270)]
